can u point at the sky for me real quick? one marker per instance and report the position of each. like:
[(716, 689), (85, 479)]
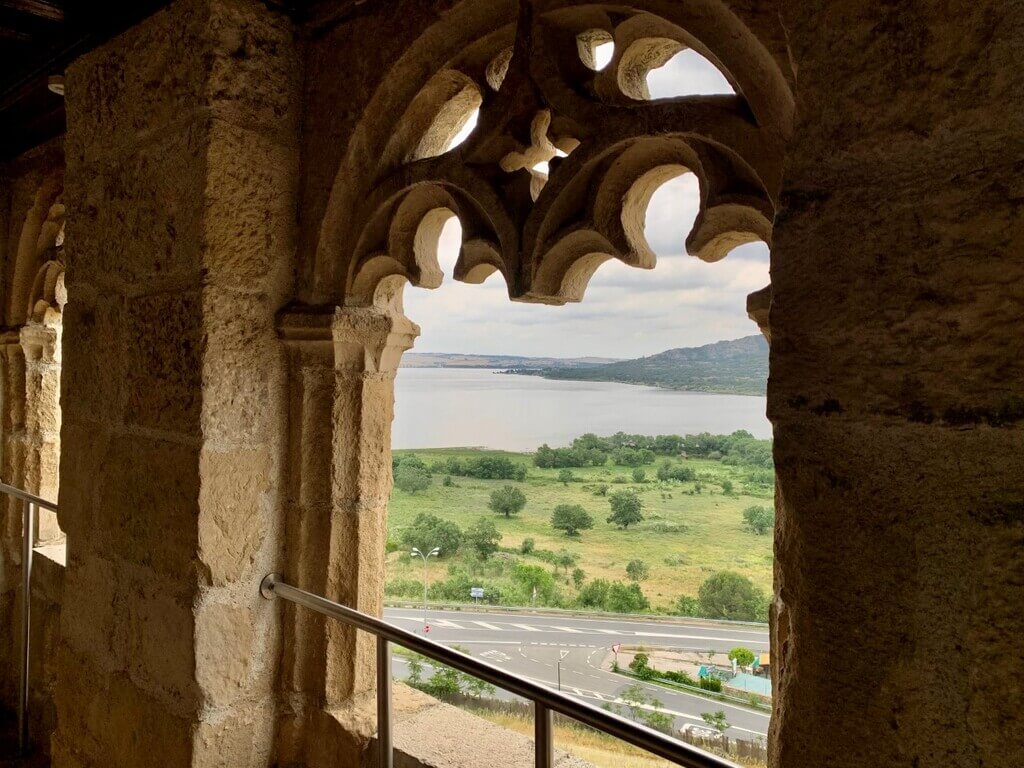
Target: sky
[(626, 312)]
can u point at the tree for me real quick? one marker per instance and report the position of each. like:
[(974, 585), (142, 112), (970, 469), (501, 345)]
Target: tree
[(729, 595), (428, 531), (483, 537), (566, 559), (626, 509), (410, 477), (571, 518), (744, 657), (758, 519), (565, 476), (578, 575), (623, 598), (639, 475), (507, 500), (716, 720), (638, 570), (687, 606), (534, 578)]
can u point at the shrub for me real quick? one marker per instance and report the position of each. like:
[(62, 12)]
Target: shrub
[(565, 477), (483, 537), (758, 519), (626, 599), (639, 475), (712, 684), (687, 606), (404, 588), (601, 489), (679, 677), (638, 570), (729, 595), (428, 531), (411, 478), (744, 657), (527, 546)]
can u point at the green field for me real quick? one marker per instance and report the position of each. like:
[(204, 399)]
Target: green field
[(685, 537)]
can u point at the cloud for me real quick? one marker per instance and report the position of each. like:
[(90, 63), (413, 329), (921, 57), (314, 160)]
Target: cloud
[(626, 312)]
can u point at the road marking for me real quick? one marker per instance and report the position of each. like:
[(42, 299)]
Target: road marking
[(526, 627), (485, 625), (447, 624), (688, 637), (608, 631), (569, 629)]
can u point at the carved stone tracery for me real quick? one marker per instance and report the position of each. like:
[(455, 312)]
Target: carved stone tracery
[(605, 145)]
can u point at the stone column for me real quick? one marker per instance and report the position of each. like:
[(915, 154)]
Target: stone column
[(897, 390), (342, 370), (12, 457), (181, 175), (41, 347)]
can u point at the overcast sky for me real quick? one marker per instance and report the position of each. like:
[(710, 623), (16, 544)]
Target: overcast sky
[(626, 312)]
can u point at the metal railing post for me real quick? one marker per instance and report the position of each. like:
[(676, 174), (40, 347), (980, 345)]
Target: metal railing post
[(384, 740), (543, 735), (28, 532)]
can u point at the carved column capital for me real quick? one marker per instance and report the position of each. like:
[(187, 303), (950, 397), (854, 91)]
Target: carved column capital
[(371, 340)]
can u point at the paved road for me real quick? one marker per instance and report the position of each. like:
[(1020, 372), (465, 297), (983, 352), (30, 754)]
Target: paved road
[(546, 647)]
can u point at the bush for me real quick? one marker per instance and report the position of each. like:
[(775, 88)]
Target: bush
[(486, 467), (601, 489), (639, 475), (669, 471), (404, 588), (638, 570), (578, 575), (729, 595), (712, 684), (527, 546), (687, 606), (679, 677), (744, 657), (626, 599), (483, 537), (565, 476), (448, 482), (759, 520), (411, 478), (428, 531)]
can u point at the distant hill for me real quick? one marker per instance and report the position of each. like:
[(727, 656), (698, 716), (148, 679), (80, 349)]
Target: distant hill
[(457, 360), (738, 367)]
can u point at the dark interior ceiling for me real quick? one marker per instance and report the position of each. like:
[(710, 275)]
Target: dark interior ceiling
[(39, 38)]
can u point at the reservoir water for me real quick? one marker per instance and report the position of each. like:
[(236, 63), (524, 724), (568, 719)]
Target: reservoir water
[(463, 407)]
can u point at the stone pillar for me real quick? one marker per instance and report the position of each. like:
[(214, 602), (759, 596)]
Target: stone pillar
[(41, 347), (181, 175), (897, 390), (342, 368), (12, 457)]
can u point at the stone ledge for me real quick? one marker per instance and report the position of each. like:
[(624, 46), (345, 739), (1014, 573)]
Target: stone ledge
[(431, 734)]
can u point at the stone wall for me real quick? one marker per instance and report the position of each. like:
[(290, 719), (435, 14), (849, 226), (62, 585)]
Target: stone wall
[(180, 166), (897, 389), (30, 186)]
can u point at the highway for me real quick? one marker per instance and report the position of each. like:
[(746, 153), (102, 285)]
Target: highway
[(546, 647)]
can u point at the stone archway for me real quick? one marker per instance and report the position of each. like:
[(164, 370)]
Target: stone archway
[(524, 66)]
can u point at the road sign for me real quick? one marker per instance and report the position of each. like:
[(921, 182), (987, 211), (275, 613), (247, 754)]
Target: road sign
[(476, 592), (562, 655), (426, 629), (615, 648)]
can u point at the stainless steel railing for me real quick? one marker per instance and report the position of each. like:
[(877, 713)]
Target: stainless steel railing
[(30, 508), (546, 701)]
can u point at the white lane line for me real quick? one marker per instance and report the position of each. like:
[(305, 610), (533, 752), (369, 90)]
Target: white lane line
[(526, 627), (608, 631), (569, 629), (688, 637), (447, 624), (485, 625)]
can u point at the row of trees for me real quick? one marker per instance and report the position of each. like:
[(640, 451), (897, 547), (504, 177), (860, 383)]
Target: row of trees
[(590, 450), (411, 474)]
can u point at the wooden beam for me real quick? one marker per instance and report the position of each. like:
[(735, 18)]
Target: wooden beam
[(6, 33), (38, 8)]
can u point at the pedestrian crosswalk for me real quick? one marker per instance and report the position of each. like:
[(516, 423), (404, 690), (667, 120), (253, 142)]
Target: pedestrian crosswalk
[(582, 629)]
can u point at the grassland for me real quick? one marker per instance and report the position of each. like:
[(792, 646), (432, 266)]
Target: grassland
[(685, 537)]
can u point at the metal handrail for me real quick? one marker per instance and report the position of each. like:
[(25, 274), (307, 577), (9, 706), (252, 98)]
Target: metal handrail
[(546, 701), (30, 507)]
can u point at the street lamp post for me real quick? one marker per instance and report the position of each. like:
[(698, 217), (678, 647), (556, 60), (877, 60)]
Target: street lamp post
[(435, 552)]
